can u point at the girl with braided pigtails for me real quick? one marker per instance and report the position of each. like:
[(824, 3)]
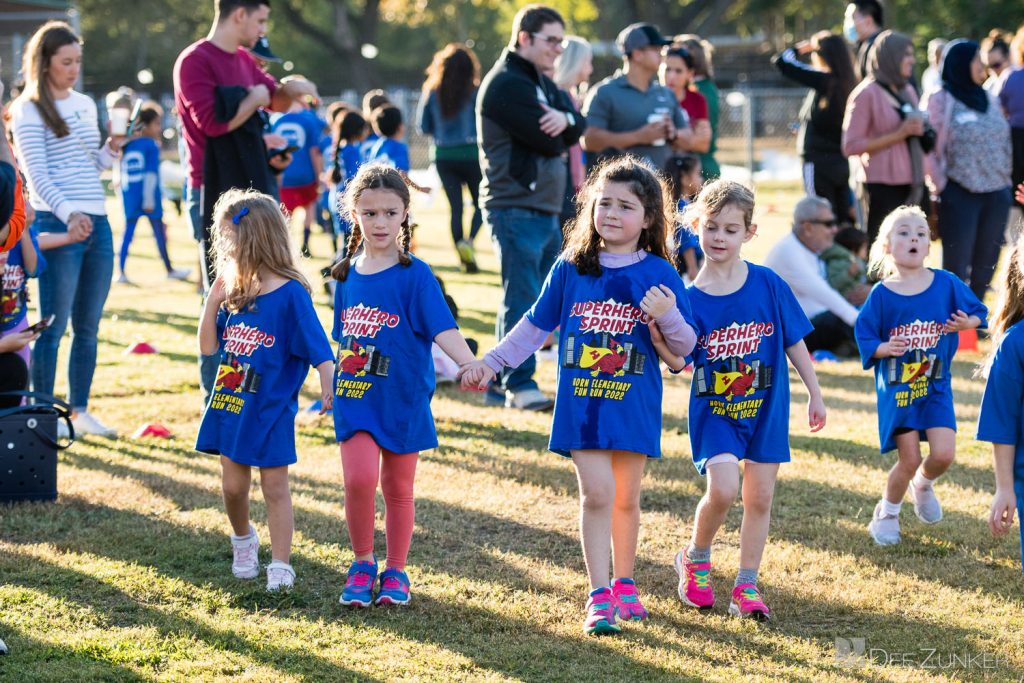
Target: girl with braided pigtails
[(388, 309)]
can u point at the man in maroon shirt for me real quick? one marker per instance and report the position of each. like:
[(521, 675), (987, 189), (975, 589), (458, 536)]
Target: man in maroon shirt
[(218, 60)]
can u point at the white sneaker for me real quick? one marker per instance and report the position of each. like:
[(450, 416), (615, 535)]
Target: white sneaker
[(528, 399), (280, 577), (62, 430), (884, 529), (122, 279), (246, 562), (179, 273), (87, 424), (926, 505)]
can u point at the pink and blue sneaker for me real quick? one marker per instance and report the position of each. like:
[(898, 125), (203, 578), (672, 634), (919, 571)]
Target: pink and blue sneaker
[(694, 582), (747, 602), (394, 588), (601, 612), (358, 590), (627, 601)]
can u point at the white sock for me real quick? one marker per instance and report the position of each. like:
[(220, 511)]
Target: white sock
[(921, 481), (242, 539), (891, 508)]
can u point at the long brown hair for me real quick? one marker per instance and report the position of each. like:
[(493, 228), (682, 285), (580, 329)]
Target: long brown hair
[(1009, 309), (583, 243), (374, 176), (41, 47), (453, 73), (834, 51), (250, 234)]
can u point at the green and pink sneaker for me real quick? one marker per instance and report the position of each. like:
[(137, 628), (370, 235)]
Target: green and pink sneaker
[(601, 612), (747, 602), (627, 601), (694, 582)]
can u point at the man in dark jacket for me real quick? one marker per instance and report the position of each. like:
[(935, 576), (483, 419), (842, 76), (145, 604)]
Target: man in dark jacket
[(526, 127)]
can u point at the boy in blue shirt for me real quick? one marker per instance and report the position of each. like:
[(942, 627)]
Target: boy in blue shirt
[(300, 182), (389, 148)]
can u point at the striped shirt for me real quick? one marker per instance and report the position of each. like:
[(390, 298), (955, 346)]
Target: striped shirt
[(63, 173)]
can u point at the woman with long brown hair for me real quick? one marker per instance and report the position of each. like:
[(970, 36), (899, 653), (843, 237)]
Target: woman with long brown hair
[(58, 140), (447, 112)]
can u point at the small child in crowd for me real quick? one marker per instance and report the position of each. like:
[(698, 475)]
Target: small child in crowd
[(19, 264), (684, 180), (846, 260)]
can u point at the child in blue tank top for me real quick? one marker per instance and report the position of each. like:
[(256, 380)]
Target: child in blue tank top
[(259, 316), (908, 331), (749, 323), (612, 281)]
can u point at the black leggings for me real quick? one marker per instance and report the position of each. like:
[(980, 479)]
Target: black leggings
[(882, 200), (13, 377), (455, 174), (830, 179)]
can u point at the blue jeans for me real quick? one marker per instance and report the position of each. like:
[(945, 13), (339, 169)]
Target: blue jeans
[(527, 244), (207, 364), (971, 225), (73, 287)]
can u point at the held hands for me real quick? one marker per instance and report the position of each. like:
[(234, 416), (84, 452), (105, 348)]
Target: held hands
[(658, 301), (475, 375), (816, 413), (554, 122), (79, 227), (326, 399), (1000, 517), (956, 322)]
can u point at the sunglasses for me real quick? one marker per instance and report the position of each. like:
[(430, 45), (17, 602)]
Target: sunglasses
[(830, 223), (553, 41)]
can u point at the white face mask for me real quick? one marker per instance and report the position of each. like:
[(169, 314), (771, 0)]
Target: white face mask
[(850, 30)]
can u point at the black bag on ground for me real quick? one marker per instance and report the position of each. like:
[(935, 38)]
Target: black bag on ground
[(29, 445)]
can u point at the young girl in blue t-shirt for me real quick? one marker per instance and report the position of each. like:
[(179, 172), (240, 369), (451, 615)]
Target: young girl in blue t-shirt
[(259, 316), (1001, 421), (748, 323), (388, 309), (349, 131), (908, 331), (612, 281)]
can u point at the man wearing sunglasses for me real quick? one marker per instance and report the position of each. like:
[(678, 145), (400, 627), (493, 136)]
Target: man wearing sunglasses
[(526, 126), (796, 259)]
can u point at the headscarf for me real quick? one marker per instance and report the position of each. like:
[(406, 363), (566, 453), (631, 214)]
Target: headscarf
[(885, 57), (956, 74)]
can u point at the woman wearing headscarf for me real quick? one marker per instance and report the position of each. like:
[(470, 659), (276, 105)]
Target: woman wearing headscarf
[(883, 128), (970, 169)]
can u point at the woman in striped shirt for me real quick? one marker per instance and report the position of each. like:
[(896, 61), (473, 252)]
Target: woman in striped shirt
[(58, 142)]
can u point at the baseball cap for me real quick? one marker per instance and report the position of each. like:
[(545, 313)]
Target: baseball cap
[(636, 36), (262, 50)]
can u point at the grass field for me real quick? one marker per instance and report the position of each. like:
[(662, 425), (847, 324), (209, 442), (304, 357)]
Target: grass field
[(126, 577)]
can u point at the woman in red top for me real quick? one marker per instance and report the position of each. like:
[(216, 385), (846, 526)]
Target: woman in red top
[(677, 76)]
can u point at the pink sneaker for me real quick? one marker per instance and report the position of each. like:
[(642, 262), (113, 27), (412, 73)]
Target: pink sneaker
[(627, 601), (600, 613), (694, 582), (747, 602)]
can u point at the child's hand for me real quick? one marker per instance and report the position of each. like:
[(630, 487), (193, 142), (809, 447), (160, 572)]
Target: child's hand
[(816, 413), (326, 400), (898, 346), (79, 227), (658, 301), (956, 322), (217, 292), (656, 336), (1000, 517), (476, 375)]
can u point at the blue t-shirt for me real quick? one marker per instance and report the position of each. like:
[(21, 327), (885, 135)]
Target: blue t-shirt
[(739, 395), (1002, 408), (266, 351), (302, 129), (390, 152), (14, 293), (384, 324), (367, 145), (914, 389), (141, 157), (609, 378), (686, 238), (351, 160)]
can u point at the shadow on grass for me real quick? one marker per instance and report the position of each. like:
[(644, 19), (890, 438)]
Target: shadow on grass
[(31, 660), (159, 319)]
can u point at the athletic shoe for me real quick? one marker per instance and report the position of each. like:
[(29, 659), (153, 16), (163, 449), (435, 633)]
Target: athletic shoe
[(246, 562), (304, 251), (600, 613), (926, 505), (87, 424), (122, 279), (394, 588), (885, 529), (747, 602), (358, 590), (179, 273), (528, 399), (694, 582), (280, 576), (627, 601), (467, 255)]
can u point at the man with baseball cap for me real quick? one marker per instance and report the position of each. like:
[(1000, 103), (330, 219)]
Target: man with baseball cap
[(630, 112)]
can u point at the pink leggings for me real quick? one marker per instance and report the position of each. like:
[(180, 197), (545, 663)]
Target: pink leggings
[(361, 463)]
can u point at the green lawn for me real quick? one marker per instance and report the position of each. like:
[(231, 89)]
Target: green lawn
[(126, 577)]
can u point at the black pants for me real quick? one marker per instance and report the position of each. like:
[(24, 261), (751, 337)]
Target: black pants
[(1017, 136), (971, 225), (882, 200), (830, 333), (13, 377), (455, 174), (830, 180)]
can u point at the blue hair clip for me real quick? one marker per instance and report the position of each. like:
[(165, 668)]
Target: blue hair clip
[(244, 211)]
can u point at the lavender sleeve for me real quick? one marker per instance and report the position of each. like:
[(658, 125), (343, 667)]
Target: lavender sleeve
[(524, 339), (679, 336)]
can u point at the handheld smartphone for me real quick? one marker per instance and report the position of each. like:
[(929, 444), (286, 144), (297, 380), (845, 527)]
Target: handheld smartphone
[(277, 151), (134, 118), (41, 325)]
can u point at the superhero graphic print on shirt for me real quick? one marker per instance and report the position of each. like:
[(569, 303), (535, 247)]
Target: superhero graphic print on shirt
[(235, 376), (593, 348), (359, 359), (13, 296), (728, 375), (920, 365)]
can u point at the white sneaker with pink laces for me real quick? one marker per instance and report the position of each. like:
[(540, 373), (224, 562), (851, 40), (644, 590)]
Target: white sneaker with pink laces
[(246, 563), (280, 576)]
